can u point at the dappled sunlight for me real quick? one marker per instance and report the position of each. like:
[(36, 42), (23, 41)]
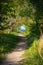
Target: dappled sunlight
[(32, 55), (21, 32), (7, 44), (14, 50)]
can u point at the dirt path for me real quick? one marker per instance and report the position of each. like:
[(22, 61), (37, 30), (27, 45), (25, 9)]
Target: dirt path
[(16, 56)]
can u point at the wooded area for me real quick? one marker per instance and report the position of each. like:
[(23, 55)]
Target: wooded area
[(16, 13)]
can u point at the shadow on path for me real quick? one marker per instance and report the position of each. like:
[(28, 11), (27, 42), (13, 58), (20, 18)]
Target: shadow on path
[(15, 57)]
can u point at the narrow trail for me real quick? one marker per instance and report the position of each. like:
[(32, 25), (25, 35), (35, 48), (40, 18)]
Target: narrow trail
[(15, 57)]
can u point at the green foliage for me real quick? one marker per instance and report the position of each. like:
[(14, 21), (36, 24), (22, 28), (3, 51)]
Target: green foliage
[(7, 44), (14, 8), (7, 9), (21, 8), (32, 56)]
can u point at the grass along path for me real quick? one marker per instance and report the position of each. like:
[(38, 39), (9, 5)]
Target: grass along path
[(16, 56)]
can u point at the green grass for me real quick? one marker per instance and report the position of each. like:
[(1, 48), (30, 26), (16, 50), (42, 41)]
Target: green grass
[(14, 33), (32, 56), (7, 44)]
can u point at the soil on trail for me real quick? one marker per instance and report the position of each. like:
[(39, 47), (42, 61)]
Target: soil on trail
[(15, 57)]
